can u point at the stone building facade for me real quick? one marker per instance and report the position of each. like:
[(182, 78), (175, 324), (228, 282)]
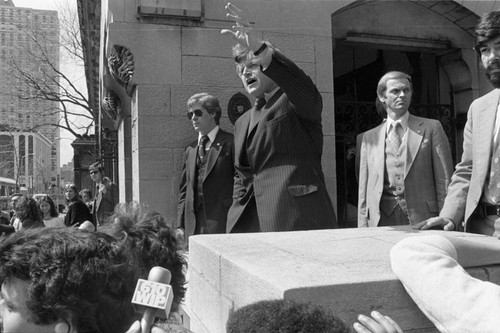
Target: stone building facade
[(155, 54)]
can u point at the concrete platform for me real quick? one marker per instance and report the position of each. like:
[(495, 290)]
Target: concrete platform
[(346, 270)]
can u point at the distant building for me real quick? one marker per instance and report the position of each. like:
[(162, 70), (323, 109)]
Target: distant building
[(24, 157), (67, 174), (23, 33)]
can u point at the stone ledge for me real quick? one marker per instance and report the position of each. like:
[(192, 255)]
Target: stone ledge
[(345, 270)]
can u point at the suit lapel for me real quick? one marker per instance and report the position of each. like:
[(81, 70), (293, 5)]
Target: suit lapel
[(415, 135), (486, 126), (213, 153), (191, 161), (240, 135), (378, 157)]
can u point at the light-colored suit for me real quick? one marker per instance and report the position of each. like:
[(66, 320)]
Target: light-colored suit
[(470, 175), (428, 169)]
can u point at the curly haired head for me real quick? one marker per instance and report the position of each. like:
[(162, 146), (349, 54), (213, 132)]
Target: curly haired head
[(69, 271), (152, 241), (90, 277), (282, 316), (27, 209), (487, 29)]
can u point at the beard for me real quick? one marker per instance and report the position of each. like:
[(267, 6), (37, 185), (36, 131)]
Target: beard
[(493, 73)]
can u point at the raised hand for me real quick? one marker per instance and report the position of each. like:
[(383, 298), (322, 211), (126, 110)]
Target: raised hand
[(242, 30)]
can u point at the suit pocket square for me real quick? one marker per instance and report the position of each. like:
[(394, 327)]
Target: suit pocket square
[(300, 190)]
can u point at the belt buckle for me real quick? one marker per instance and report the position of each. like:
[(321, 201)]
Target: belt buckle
[(498, 210)]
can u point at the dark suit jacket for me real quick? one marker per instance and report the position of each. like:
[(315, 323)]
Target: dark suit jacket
[(78, 212), (217, 185), (284, 152), (105, 202), (428, 169)]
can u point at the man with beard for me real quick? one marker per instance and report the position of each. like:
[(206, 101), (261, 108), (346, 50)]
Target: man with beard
[(473, 199)]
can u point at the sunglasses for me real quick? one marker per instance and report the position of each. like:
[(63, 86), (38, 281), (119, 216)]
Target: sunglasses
[(197, 113), (93, 172)]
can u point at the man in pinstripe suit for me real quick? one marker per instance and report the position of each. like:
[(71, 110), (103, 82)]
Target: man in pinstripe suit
[(279, 183)]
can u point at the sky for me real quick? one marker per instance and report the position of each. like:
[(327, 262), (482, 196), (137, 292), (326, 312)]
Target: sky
[(66, 150)]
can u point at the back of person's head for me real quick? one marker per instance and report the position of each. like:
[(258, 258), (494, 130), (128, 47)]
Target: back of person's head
[(83, 279), (27, 209), (283, 316), (87, 192), (152, 241), (487, 29)]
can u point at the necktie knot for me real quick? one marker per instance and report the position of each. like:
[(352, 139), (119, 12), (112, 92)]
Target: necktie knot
[(395, 135), (259, 103), (203, 144), (204, 140)]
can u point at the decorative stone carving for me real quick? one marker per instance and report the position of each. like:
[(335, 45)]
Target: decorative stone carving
[(238, 104), (121, 67), (111, 104)]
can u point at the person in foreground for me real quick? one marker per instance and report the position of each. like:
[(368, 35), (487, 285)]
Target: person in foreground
[(286, 316), (61, 280), (473, 199), (279, 183), (432, 270)]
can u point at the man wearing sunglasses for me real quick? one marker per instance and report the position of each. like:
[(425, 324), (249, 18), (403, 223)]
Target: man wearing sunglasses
[(107, 195), (206, 187)]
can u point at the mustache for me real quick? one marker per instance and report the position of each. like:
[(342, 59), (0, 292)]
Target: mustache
[(493, 65)]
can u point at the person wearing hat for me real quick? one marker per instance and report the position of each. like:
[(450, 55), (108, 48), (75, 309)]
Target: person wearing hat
[(106, 196)]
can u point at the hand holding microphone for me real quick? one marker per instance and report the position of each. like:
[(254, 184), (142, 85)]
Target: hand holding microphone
[(153, 296)]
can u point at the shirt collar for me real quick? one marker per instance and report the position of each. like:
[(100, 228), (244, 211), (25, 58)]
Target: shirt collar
[(270, 94), (211, 135), (403, 121)]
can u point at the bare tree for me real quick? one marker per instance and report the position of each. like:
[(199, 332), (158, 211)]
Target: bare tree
[(61, 102)]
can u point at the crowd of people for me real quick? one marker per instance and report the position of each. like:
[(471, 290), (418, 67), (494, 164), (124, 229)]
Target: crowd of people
[(77, 273)]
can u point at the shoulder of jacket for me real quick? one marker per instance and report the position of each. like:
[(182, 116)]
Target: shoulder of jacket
[(107, 182), (487, 98)]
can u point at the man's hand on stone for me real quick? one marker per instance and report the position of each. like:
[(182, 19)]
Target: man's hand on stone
[(378, 323), (436, 223)]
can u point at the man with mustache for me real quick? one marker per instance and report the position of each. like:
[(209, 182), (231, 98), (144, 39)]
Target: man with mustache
[(405, 162), (279, 183), (473, 199)]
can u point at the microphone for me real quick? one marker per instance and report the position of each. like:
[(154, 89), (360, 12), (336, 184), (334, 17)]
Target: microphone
[(153, 296)]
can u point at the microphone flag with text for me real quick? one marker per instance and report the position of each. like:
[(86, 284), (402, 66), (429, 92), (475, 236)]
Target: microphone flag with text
[(153, 296)]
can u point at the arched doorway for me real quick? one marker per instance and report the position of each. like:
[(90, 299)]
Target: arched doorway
[(429, 41)]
